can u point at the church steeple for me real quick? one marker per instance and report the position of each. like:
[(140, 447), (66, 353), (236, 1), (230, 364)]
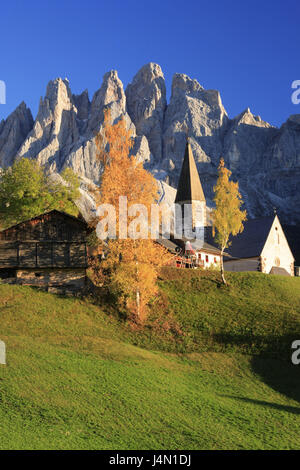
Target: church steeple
[(190, 190), (189, 186)]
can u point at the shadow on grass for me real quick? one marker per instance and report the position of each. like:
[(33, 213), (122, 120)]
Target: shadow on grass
[(275, 406), (264, 346), (281, 376)]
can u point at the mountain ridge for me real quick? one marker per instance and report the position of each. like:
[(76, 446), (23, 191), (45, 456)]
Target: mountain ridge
[(263, 158)]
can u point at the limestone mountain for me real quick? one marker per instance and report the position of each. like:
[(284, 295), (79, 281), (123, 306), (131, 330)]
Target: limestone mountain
[(264, 159), (13, 132), (146, 103)]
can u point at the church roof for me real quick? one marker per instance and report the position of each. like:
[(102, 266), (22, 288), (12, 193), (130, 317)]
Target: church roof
[(189, 186), (251, 241)]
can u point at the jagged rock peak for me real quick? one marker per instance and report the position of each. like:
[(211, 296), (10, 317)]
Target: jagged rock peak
[(183, 84), (111, 94), (58, 99), (198, 113), (111, 90), (147, 92), (246, 117), (21, 112), (58, 93), (184, 87), (13, 131), (22, 108), (146, 104), (55, 129), (264, 159), (148, 73)]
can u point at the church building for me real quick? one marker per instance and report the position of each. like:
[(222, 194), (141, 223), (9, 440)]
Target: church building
[(189, 190), (195, 252), (262, 246)]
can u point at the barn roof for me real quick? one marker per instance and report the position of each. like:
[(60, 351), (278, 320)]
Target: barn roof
[(189, 185), (251, 241), (53, 211)]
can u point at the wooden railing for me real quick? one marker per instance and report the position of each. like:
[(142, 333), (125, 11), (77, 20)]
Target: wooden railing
[(186, 262)]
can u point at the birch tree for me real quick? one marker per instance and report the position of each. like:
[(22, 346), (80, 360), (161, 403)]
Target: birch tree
[(227, 217)]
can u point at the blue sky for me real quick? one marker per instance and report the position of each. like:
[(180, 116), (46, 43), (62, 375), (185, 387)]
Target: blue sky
[(250, 51)]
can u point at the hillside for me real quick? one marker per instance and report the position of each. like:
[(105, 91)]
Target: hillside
[(78, 377)]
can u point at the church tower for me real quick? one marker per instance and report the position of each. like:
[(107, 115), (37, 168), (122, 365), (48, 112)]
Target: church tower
[(190, 190)]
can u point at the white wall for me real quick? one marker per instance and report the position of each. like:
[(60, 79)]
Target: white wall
[(209, 259), (276, 251), (194, 216)]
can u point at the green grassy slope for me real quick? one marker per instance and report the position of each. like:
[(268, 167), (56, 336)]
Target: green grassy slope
[(76, 378), (256, 313)]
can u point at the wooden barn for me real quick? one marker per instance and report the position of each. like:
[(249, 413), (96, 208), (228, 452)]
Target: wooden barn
[(48, 251)]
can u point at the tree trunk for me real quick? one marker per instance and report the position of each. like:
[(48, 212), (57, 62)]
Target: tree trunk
[(138, 297), (138, 302), (222, 268)]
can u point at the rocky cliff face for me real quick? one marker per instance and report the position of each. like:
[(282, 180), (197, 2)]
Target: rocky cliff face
[(264, 159), (146, 103), (13, 132), (198, 114), (63, 132), (55, 129)]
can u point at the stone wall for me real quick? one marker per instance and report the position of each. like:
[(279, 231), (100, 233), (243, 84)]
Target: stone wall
[(53, 280)]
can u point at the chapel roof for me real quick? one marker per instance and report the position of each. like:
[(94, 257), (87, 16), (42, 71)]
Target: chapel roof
[(189, 185)]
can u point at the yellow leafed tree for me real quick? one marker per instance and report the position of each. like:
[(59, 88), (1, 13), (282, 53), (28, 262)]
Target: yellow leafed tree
[(131, 264), (227, 217)]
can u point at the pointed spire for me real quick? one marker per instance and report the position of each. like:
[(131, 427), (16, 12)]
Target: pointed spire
[(189, 186)]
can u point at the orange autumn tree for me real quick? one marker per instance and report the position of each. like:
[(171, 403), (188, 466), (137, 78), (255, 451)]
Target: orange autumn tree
[(227, 217), (131, 264)]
